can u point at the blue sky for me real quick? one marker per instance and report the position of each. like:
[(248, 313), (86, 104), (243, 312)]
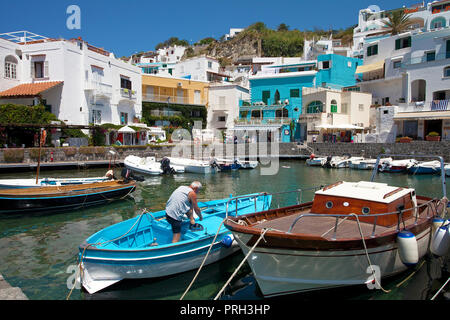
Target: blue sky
[(129, 26)]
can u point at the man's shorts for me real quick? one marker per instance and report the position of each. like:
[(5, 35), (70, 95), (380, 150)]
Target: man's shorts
[(176, 225)]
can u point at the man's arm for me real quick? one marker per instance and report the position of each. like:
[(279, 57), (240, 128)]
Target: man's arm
[(193, 197)]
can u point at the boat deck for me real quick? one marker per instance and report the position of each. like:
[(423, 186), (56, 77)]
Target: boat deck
[(324, 225)]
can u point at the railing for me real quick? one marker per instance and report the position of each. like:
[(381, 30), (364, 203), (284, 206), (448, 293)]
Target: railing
[(127, 93), (99, 88), (171, 99), (426, 58), (264, 121), (165, 113), (269, 102)]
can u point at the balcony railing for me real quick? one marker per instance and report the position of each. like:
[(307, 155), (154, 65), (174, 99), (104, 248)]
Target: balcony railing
[(263, 121), (426, 58), (99, 89), (434, 105), (127, 93), (171, 99), (270, 102), (165, 113)]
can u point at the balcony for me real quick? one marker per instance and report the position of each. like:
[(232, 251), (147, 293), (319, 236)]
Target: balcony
[(426, 58), (269, 103), (127, 94), (267, 120), (435, 105), (99, 89)]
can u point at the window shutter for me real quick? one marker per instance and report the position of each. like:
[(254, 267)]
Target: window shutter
[(409, 42), (32, 73), (397, 44), (369, 51), (46, 69)]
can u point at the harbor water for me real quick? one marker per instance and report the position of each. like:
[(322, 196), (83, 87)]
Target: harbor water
[(38, 253)]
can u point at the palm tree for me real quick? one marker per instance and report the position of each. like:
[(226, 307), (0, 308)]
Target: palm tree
[(398, 22)]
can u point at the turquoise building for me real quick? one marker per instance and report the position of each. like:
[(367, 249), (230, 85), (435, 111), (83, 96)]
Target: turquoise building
[(276, 94)]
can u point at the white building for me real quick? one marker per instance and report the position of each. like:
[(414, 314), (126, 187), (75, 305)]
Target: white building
[(233, 33), (224, 105), (79, 83), (201, 68), (314, 48)]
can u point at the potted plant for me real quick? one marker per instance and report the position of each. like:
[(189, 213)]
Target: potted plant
[(405, 140), (433, 136)]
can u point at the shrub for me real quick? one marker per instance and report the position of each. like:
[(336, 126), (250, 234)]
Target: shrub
[(34, 153), (69, 151), (433, 134)]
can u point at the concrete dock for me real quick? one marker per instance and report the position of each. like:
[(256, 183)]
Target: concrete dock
[(7, 292)]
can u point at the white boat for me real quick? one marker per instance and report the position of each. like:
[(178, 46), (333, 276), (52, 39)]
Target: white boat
[(143, 165), (316, 161), (192, 165), (350, 234), (343, 162), (47, 182), (365, 164), (248, 164), (395, 166)]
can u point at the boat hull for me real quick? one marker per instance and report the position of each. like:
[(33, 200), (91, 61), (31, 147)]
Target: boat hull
[(47, 182), (280, 272), (51, 202)]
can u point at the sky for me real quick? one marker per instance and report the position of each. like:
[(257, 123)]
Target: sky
[(129, 26)]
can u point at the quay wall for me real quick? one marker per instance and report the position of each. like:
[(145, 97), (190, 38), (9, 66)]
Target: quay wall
[(29, 156)]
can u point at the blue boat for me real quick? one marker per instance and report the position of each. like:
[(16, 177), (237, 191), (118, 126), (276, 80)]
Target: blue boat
[(429, 167), (142, 247)]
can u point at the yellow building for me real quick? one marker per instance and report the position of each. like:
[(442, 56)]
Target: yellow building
[(157, 88)]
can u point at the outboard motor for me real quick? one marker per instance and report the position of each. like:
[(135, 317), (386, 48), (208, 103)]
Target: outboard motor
[(165, 166), (128, 175), (213, 163), (328, 163)]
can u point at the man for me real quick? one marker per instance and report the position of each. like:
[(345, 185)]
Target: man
[(183, 201)]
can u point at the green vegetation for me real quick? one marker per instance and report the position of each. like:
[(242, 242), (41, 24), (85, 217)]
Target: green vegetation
[(12, 113), (398, 22), (172, 42)]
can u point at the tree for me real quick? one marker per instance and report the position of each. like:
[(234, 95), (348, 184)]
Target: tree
[(283, 27), (398, 22)]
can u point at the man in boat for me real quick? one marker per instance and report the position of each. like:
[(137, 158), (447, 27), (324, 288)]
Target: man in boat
[(183, 201)]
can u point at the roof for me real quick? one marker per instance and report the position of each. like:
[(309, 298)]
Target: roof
[(30, 89), (364, 190), (370, 67)]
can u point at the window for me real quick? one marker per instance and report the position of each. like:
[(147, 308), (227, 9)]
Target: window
[(397, 64), (295, 93), (39, 69), (431, 55), (361, 107), (284, 113), (256, 113), (96, 116), (123, 118), (315, 107), (344, 108), (265, 96), (10, 67), (447, 71), (365, 210), (221, 118), (209, 65), (372, 50), (125, 83), (243, 114), (329, 204), (325, 64), (402, 43), (333, 106)]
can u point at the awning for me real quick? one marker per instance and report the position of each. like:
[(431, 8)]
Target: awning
[(253, 128), (339, 126), (422, 115), (126, 129), (29, 89), (370, 67)]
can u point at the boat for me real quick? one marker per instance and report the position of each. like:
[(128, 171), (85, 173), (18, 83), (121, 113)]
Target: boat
[(247, 164), (316, 161), (426, 167), (141, 247), (365, 164), (150, 166), (31, 200), (447, 170), (227, 164), (350, 234), (193, 165), (47, 182), (343, 162), (395, 166)]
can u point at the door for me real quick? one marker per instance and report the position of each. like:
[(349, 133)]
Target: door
[(197, 97), (265, 96)]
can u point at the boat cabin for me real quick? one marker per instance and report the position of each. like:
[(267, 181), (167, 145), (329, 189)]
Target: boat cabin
[(364, 199)]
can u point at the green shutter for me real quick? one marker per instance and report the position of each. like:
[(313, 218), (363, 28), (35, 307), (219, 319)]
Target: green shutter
[(265, 96), (375, 50), (397, 44), (409, 42)]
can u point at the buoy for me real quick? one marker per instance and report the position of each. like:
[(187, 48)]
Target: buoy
[(228, 240), (312, 156), (440, 243), (408, 248), (437, 223)]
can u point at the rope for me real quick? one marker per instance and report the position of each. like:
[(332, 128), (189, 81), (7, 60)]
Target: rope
[(204, 260), (98, 244), (440, 289), (367, 254), (263, 232)]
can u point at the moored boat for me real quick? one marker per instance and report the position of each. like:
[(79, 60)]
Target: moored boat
[(247, 164), (343, 162), (141, 247), (192, 165), (338, 239), (47, 182), (447, 170), (365, 164), (395, 166), (316, 161), (150, 166), (30, 200), (425, 167)]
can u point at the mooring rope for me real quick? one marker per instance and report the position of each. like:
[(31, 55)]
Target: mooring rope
[(263, 232), (440, 289)]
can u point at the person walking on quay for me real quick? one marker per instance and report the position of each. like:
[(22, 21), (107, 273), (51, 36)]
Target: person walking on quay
[(183, 201)]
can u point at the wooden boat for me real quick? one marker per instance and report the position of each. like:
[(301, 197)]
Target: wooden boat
[(47, 182), (426, 167), (142, 247), (352, 233), (62, 197)]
